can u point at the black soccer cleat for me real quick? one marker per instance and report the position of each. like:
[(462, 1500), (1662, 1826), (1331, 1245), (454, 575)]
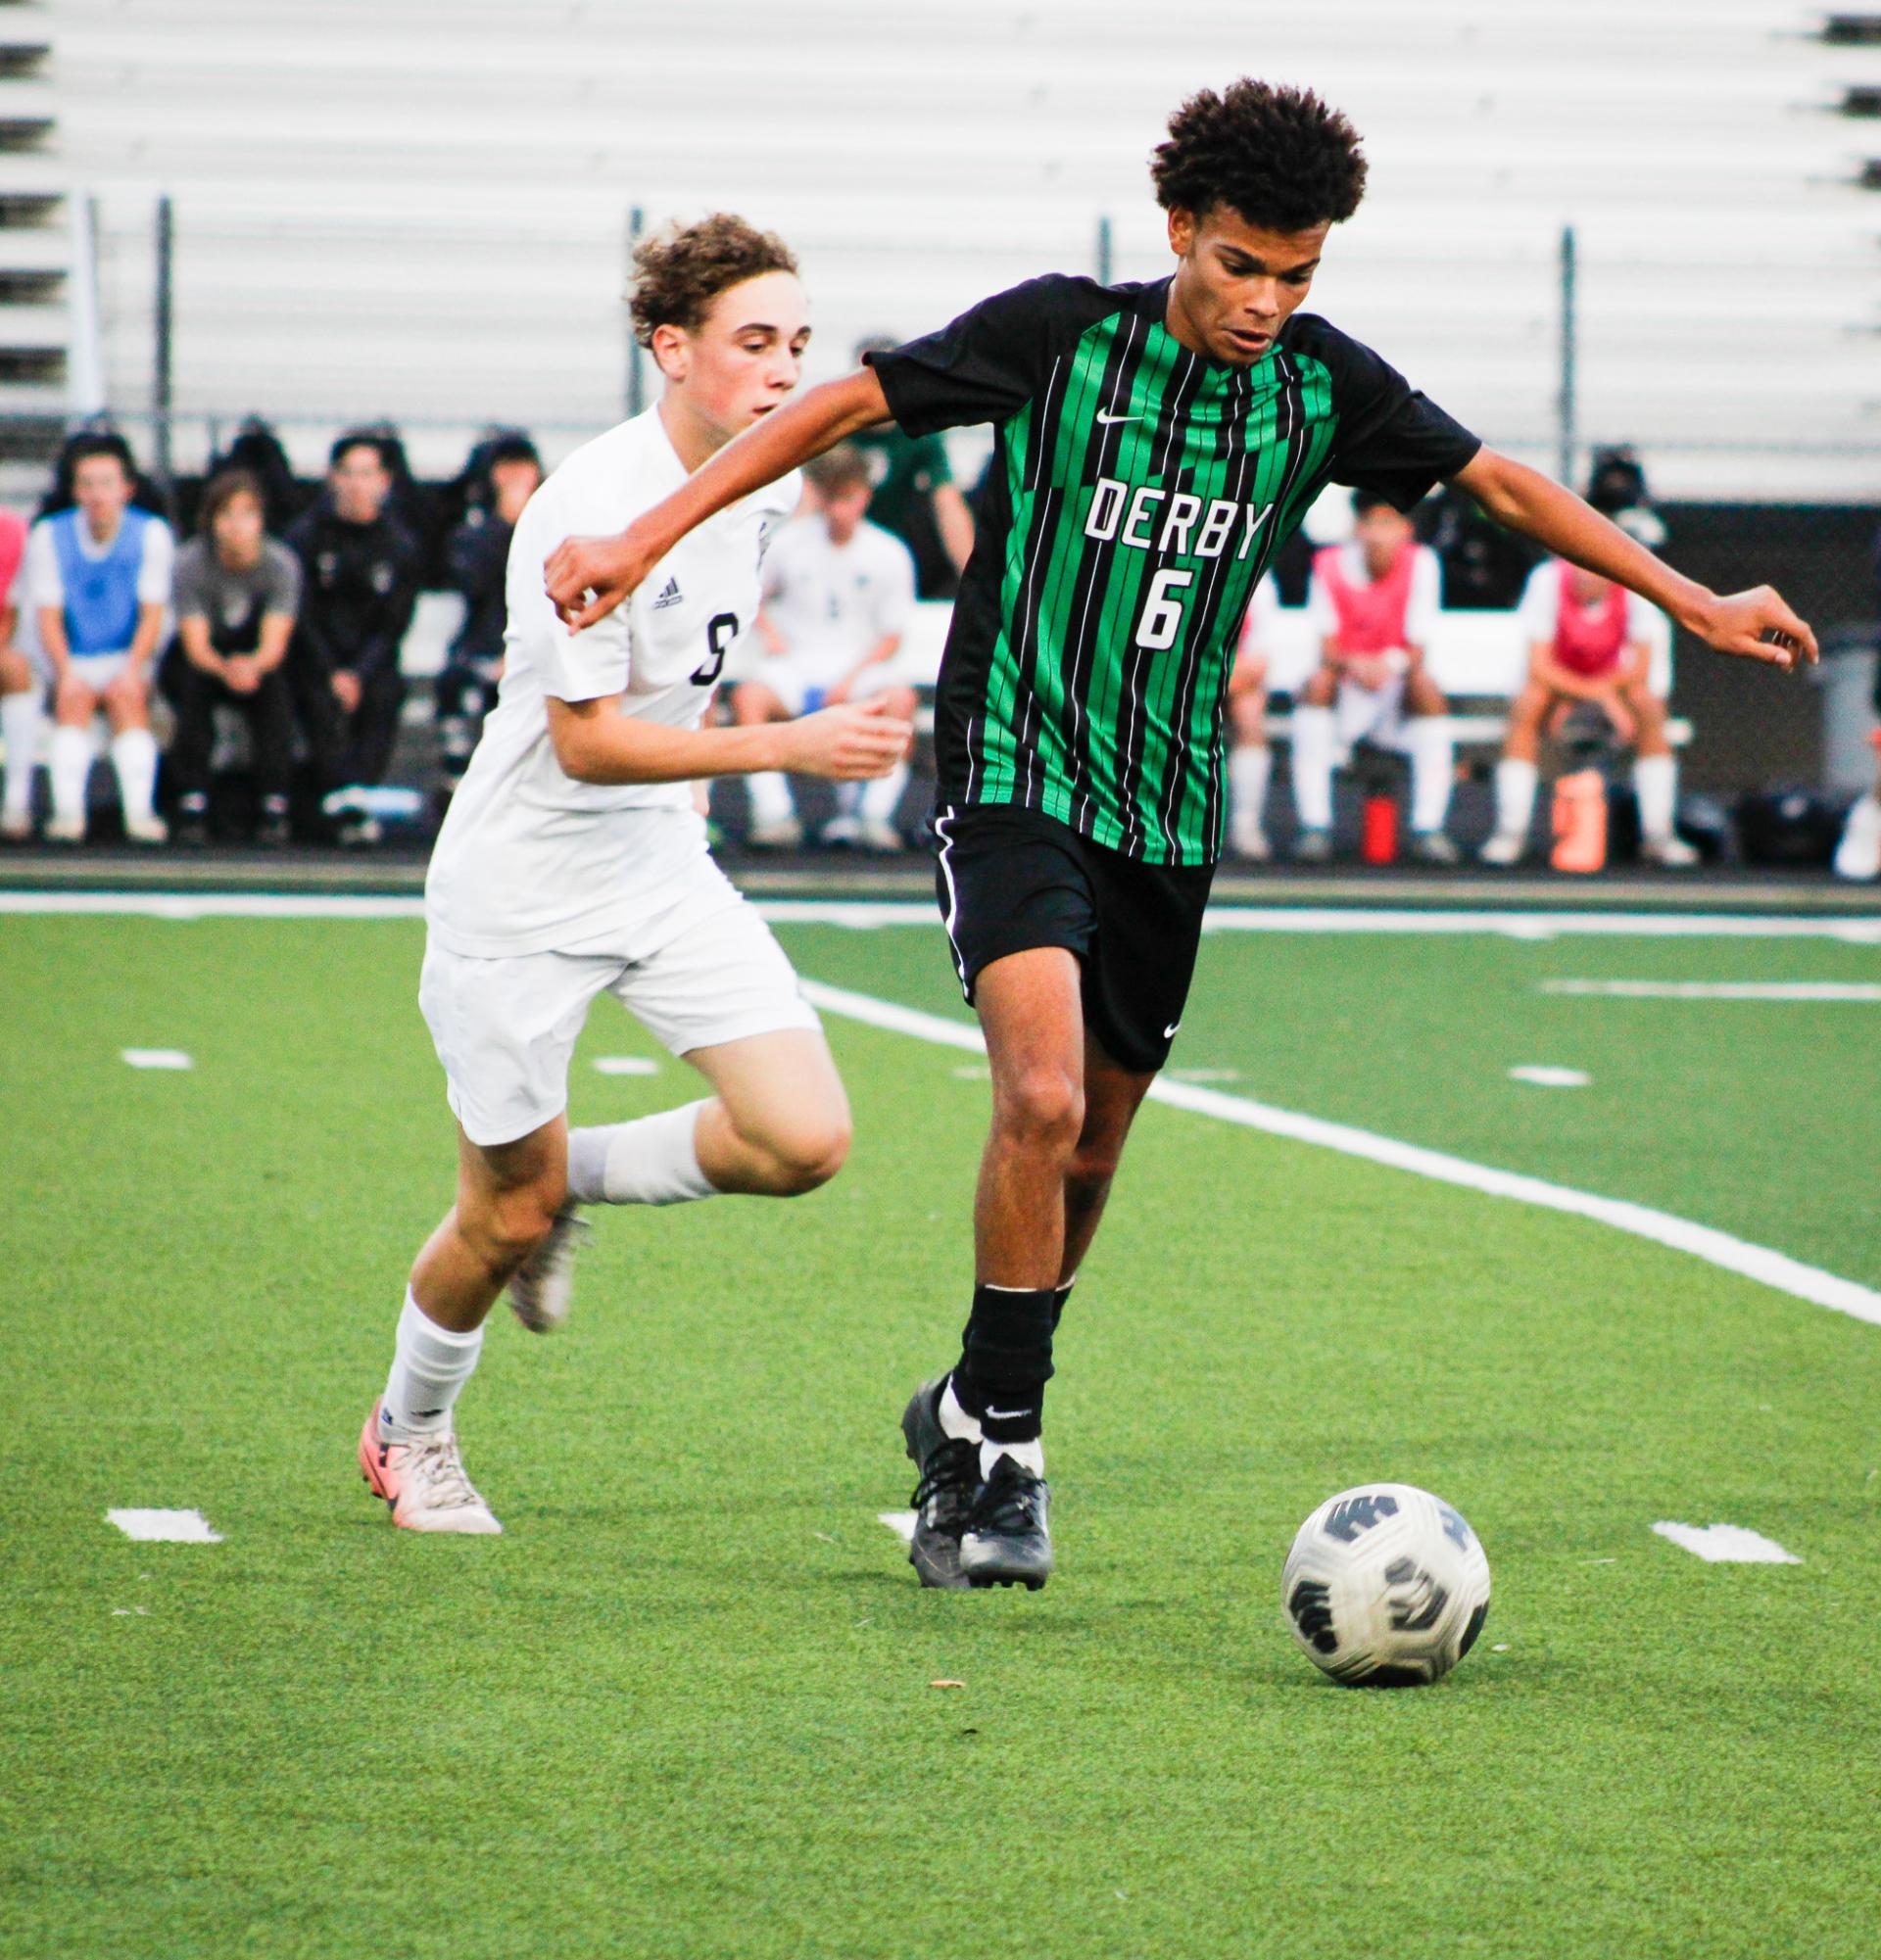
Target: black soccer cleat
[(1007, 1541), (943, 1500)]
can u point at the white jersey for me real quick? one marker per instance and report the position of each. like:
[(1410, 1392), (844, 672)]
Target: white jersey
[(833, 603), (529, 860)]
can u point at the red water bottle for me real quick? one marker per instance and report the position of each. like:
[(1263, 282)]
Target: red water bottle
[(1379, 843)]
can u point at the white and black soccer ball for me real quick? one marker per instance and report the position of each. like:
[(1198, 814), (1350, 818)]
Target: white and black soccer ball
[(1385, 1587)]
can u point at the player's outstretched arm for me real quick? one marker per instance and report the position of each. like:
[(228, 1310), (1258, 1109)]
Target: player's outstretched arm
[(610, 568), (1756, 623), (595, 743)]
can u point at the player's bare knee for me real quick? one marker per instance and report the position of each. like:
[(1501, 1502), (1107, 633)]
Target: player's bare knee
[(506, 1227), (813, 1153), (1041, 1106)]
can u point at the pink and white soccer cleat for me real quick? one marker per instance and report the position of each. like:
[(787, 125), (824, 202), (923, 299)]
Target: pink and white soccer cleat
[(424, 1482)]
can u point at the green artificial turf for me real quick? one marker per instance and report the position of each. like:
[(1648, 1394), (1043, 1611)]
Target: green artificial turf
[(684, 1706)]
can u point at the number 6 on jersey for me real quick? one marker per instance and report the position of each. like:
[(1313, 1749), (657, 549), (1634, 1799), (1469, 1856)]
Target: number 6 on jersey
[(1161, 610)]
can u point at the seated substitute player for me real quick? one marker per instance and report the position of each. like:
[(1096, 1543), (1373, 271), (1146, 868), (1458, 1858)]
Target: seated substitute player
[(99, 574), (838, 594), (1155, 445), (1589, 640), (237, 592), (1250, 762), (572, 862), (1373, 602)]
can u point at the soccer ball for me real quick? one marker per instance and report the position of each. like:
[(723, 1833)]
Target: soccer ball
[(1385, 1587)]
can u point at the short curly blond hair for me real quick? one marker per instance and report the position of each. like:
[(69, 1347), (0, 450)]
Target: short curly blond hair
[(679, 271)]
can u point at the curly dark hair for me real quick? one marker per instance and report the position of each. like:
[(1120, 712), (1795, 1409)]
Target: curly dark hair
[(680, 271), (1279, 157)]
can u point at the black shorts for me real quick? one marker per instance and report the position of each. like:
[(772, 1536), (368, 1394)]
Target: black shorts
[(1011, 879)]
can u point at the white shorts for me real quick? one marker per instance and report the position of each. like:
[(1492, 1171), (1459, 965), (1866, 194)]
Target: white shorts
[(98, 670), (1369, 714), (801, 689), (504, 1029)]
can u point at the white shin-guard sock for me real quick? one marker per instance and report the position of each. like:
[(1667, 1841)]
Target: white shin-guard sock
[(20, 731), (133, 755), (1313, 744), (1656, 785), (429, 1369), (1516, 783), (1433, 769), (70, 769), (651, 1161), (770, 795), (881, 798), (1248, 770)]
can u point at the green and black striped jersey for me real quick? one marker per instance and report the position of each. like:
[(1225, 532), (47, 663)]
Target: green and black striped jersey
[(1137, 495)]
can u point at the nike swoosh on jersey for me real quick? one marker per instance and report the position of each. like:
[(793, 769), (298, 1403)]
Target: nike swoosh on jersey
[(1105, 417)]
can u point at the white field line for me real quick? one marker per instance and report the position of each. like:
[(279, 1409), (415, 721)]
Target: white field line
[(1727, 1543), (626, 1065), (1718, 1248), (867, 915), (1546, 1075), (1790, 991), (174, 1527), (900, 1522)]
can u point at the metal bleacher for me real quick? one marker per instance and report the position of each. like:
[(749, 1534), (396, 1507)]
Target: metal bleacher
[(417, 208)]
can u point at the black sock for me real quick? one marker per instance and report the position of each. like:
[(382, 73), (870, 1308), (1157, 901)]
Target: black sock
[(1005, 1362)]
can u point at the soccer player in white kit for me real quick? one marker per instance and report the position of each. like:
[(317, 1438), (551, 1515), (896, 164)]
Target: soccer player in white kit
[(573, 862), (839, 594)]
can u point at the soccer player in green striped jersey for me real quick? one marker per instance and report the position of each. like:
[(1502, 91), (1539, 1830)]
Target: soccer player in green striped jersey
[(1156, 444)]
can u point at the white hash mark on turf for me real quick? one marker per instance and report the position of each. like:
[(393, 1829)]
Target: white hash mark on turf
[(900, 1522), (1727, 1543), (157, 1058), (1545, 1075), (1732, 1254), (175, 1527), (626, 1065), (1788, 991)]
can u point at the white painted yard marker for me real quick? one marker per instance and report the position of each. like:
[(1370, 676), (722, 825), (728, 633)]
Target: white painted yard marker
[(626, 1065), (1727, 1543), (900, 1522), (1789, 991), (157, 1058), (175, 1527), (1545, 1075)]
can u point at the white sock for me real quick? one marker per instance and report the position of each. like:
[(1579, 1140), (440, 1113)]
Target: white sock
[(20, 731), (1655, 784), (1516, 783), (71, 768), (133, 755), (770, 794), (882, 797), (1433, 769), (954, 1420), (1313, 741), (1248, 770), (651, 1161), (429, 1369), (1028, 1456)]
